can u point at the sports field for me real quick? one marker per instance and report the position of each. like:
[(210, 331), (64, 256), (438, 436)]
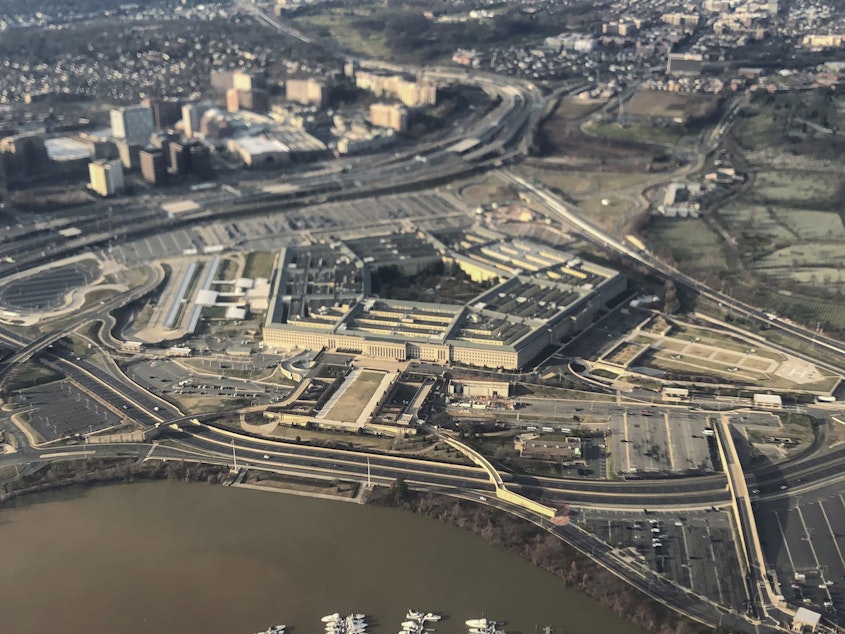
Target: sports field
[(355, 397)]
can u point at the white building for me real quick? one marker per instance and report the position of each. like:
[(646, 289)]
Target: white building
[(767, 401), (106, 177), (133, 123), (260, 150)]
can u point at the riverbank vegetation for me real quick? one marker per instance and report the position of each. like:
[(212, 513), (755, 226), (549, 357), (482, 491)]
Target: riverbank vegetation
[(57, 475), (545, 550)]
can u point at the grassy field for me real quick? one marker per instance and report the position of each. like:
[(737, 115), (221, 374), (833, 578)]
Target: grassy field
[(636, 133), (812, 225), (351, 403), (691, 243), (811, 188), (808, 310), (574, 108), (770, 226), (488, 188), (30, 374), (794, 256), (338, 24), (577, 182), (228, 269), (320, 436), (259, 264)]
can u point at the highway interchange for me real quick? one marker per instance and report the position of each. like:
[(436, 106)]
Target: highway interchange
[(606, 508)]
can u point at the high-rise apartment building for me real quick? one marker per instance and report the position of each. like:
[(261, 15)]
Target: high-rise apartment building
[(191, 117), (411, 92), (153, 166), (386, 115), (106, 177), (306, 91), (133, 124), (165, 113)]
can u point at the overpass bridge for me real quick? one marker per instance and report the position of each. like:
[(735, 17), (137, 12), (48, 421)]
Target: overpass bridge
[(502, 492), (765, 601)]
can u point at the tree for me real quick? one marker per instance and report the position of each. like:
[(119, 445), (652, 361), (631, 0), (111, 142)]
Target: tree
[(399, 491)]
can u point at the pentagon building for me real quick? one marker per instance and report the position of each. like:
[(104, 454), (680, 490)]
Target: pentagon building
[(321, 299)]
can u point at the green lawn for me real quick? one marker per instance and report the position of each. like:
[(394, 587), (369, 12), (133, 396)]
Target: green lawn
[(259, 264), (352, 402), (637, 133)]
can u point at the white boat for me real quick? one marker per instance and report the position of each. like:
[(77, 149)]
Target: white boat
[(478, 624), (331, 618), (273, 629), (413, 614), (359, 617), (431, 616)]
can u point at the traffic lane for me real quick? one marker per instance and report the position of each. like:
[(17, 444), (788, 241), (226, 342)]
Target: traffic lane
[(634, 500), (307, 452), (84, 370), (113, 397), (678, 486), (115, 392), (342, 467)]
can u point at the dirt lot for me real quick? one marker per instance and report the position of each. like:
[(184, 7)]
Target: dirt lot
[(664, 104)]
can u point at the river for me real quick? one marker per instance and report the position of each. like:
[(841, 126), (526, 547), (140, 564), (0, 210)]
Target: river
[(174, 557)]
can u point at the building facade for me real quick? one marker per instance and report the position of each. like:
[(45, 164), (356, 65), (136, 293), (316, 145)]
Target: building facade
[(133, 124), (392, 116), (306, 91), (153, 165), (106, 177)]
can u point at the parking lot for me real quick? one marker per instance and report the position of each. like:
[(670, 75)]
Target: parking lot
[(646, 441), (651, 441), (47, 290), (171, 377), (271, 232), (803, 542), (695, 550), (60, 409)]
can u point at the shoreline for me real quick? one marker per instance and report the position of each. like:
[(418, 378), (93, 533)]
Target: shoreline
[(495, 527)]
